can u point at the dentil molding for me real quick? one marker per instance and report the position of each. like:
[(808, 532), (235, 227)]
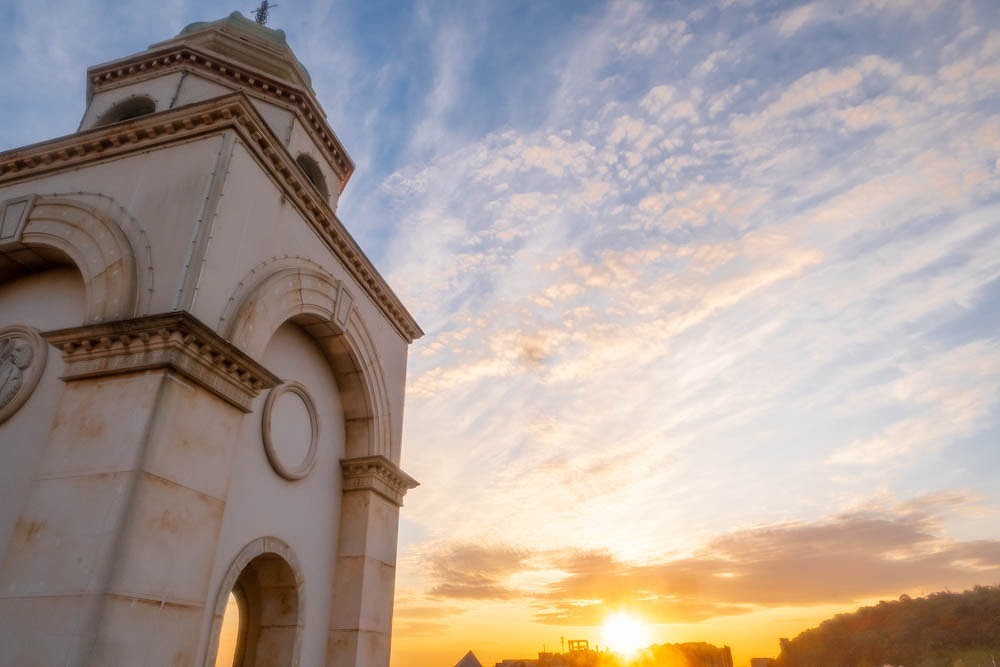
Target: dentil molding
[(379, 474), (177, 341)]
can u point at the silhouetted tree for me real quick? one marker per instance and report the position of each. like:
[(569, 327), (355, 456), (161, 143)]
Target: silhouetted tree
[(941, 630)]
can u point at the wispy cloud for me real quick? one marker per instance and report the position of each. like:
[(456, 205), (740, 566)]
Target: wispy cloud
[(874, 550), (683, 269), (950, 396), (693, 297)]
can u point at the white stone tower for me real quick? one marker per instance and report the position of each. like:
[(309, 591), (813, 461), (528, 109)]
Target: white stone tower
[(201, 374)]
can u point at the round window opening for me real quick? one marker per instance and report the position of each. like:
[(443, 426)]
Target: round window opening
[(290, 430)]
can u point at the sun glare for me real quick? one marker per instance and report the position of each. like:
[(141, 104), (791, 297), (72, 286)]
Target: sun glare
[(625, 634)]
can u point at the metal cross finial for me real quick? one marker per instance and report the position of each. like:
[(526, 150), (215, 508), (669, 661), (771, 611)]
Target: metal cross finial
[(261, 12)]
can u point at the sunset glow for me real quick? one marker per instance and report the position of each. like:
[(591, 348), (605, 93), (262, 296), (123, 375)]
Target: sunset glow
[(711, 293), (625, 634)]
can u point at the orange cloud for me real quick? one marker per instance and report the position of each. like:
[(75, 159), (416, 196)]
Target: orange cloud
[(477, 572), (851, 556)]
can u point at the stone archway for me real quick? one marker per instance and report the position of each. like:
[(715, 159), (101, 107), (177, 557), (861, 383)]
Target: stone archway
[(296, 290), (36, 230), (299, 291), (267, 582)]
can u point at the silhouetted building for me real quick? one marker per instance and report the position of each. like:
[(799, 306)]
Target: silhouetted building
[(691, 654), (469, 660)]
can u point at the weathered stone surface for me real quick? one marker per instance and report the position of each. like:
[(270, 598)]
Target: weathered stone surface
[(181, 255)]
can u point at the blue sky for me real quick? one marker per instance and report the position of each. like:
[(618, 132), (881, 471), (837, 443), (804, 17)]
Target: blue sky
[(703, 284)]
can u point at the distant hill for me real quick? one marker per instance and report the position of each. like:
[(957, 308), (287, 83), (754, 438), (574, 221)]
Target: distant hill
[(940, 630)]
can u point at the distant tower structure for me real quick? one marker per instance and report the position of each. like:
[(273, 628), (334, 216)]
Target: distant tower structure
[(201, 374)]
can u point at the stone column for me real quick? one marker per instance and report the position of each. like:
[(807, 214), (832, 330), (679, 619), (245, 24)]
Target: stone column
[(361, 620), (110, 559)]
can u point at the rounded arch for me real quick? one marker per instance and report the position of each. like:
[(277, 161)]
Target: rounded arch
[(312, 170), (267, 579), (298, 290), (127, 109), (55, 228)]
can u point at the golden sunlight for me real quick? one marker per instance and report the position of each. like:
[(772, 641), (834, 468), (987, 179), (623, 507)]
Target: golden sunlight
[(625, 634), (229, 634)]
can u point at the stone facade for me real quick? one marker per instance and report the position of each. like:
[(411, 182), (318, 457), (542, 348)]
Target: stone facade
[(201, 374)]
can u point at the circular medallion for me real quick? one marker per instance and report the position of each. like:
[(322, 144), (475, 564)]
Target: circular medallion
[(290, 430), (22, 360)]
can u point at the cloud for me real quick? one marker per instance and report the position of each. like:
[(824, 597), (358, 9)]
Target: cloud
[(680, 271), (474, 571), (793, 20), (870, 551), (812, 15), (952, 396), (821, 90), (644, 40)]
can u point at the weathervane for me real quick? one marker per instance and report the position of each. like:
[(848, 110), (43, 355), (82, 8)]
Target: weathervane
[(261, 12)]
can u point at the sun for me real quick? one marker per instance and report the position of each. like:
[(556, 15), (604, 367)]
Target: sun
[(625, 634)]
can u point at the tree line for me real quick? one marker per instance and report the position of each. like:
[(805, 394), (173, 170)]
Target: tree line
[(940, 630)]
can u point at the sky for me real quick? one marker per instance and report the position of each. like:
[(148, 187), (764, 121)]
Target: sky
[(711, 294)]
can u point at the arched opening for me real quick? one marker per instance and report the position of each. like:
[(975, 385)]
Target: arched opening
[(312, 171), (127, 109), (261, 603), (45, 275), (261, 622), (233, 624), (57, 232), (312, 299)]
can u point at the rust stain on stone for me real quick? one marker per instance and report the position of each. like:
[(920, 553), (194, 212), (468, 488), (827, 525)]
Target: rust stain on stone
[(30, 529), (92, 428), (168, 522)]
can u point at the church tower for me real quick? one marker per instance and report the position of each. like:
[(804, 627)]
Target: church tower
[(201, 374)]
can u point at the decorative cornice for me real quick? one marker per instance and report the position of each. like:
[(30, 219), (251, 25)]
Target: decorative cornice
[(185, 57), (236, 112), (177, 341), (119, 139), (378, 474)]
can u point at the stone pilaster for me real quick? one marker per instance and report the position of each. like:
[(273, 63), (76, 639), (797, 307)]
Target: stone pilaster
[(111, 556), (361, 623)]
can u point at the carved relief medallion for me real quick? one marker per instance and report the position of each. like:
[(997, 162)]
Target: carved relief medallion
[(290, 430), (22, 360)]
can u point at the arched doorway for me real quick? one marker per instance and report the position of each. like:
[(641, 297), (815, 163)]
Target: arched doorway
[(259, 619)]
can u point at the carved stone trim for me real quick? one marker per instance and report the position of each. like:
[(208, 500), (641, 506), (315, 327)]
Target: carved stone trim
[(120, 138), (271, 447), (177, 341), (378, 474), (23, 354), (13, 216), (228, 112), (159, 62)]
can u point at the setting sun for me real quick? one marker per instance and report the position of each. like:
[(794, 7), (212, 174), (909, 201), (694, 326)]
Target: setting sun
[(624, 633)]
